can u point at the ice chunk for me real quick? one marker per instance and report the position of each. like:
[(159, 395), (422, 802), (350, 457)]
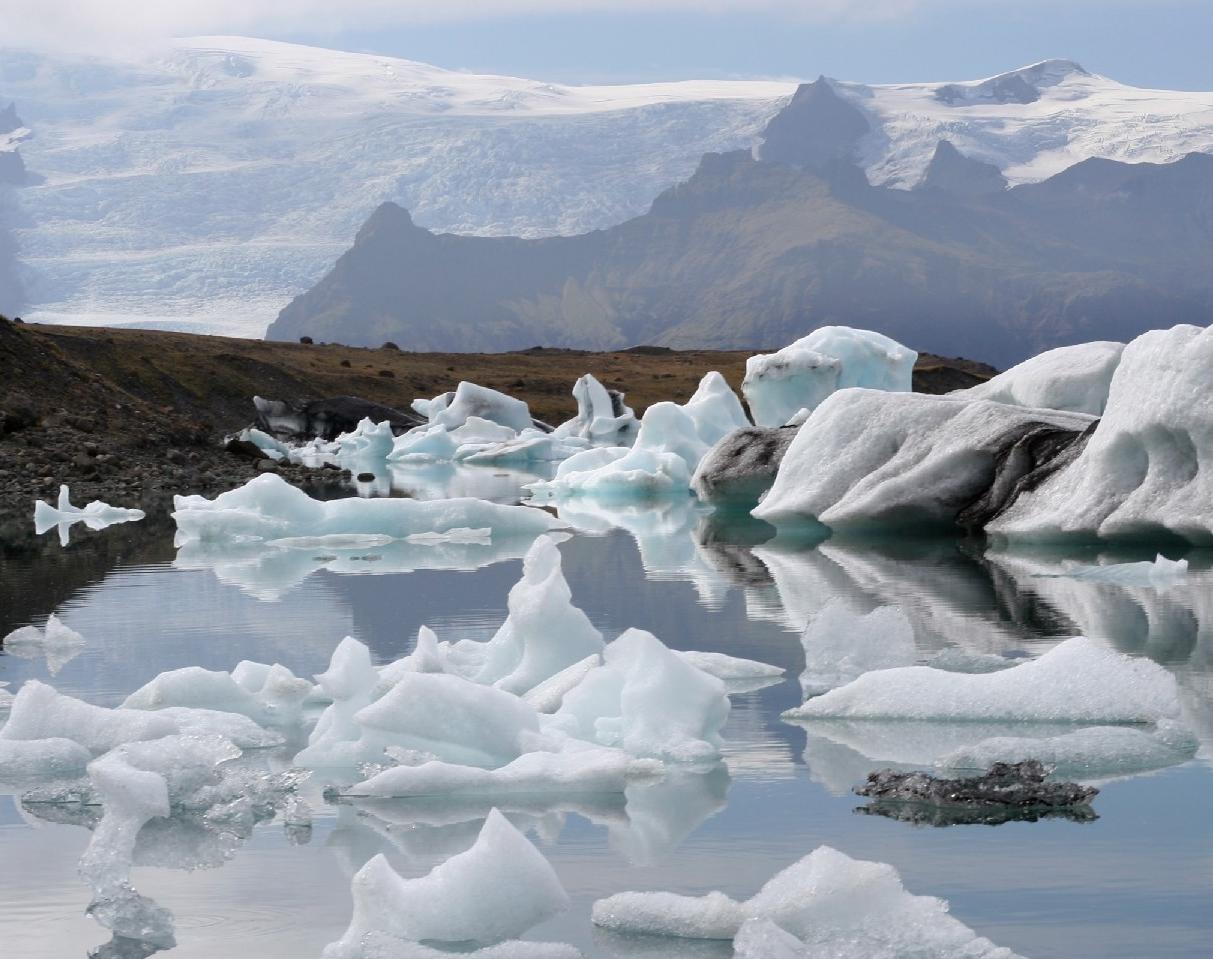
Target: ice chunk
[(37, 758), (96, 515), (59, 643), (741, 467), (349, 683), (40, 712), (597, 771), (424, 444), (480, 401), (647, 700), (602, 417), (544, 632), (1093, 752), (729, 667), (242, 731), (1144, 470), (476, 431), (715, 410), (841, 645), (496, 890), (1161, 572), (276, 700), (762, 939), (273, 448), (428, 656), (269, 508), (827, 904), (615, 473), (868, 460), (548, 695), (1077, 681), (802, 374), (368, 441), (1074, 378), (530, 446)]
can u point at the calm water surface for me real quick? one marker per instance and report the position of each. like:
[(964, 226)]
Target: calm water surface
[(1135, 883)]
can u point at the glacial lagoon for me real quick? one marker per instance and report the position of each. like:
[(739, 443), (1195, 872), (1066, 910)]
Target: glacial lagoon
[(1131, 883)]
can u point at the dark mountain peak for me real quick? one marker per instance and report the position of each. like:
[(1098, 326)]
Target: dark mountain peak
[(815, 130), (9, 121), (1018, 86), (953, 172)]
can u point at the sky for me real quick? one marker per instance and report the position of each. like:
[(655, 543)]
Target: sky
[(1158, 43)]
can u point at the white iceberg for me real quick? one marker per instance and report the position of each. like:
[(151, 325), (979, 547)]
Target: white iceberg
[(548, 695), (801, 375), (544, 632), (729, 668), (368, 440), (1074, 378), (424, 445), (470, 400), (827, 904), (50, 758), (867, 459), (1078, 681), (269, 508), (56, 641), (495, 891), (528, 447), (96, 515), (349, 684), (1144, 471), (41, 712), (602, 417), (647, 700), (715, 410), (275, 697)]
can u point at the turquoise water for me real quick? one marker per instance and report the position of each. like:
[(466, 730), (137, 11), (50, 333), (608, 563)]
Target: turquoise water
[(1133, 883)]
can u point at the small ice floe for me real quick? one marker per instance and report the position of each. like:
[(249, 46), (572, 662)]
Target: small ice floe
[(1078, 681), (1003, 793), (825, 904), (802, 374), (268, 695), (1160, 573), (59, 643), (96, 515), (269, 508), (491, 893)]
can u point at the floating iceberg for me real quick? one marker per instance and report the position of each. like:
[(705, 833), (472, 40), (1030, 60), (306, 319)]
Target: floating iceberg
[(424, 444), (869, 460), (594, 771), (1074, 378), (801, 375), (368, 441), (495, 891), (729, 668), (602, 417), (41, 712), (453, 410), (715, 410), (741, 467), (271, 447), (1093, 752), (96, 515), (827, 904), (1078, 681), (1143, 472), (274, 697), (647, 700), (60, 644), (528, 447), (544, 632), (50, 758), (349, 684), (269, 508)]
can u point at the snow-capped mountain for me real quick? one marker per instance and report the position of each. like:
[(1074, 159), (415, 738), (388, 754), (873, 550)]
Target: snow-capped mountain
[(205, 186)]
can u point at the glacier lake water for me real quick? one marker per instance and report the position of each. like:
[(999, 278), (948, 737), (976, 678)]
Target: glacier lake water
[(1135, 882)]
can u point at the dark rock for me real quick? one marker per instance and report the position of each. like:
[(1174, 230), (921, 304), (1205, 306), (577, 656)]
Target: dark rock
[(1008, 791), (327, 419), (244, 449), (742, 466), (953, 172), (267, 466), (366, 477), (175, 456)]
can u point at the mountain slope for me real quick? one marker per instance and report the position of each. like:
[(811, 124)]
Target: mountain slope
[(750, 253), (202, 186)]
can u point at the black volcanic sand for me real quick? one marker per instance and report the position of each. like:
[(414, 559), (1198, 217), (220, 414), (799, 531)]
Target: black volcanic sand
[(133, 416)]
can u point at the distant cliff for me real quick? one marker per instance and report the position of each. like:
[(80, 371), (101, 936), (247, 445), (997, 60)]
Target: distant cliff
[(752, 253)]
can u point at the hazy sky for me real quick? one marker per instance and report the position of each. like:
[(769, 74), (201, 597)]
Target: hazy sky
[(1162, 43)]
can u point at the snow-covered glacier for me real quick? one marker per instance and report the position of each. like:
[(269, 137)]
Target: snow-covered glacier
[(204, 185)]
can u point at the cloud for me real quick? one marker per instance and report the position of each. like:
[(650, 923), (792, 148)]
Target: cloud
[(109, 23)]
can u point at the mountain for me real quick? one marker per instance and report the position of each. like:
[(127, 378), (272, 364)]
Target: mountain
[(752, 253), (203, 185)]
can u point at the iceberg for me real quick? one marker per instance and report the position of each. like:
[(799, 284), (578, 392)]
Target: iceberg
[(1078, 681), (801, 375), (494, 891), (368, 441), (647, 700), (50, 758), (349, 684), (548, 695), (595, 771), (715, 410), (269, 508), (868, 460), (275, 698), (96, 515), (424, 444), (602, 417), (544, 633), (827, 904), (470, 400), (729, 668), (40, 712), (528, 447), (57, 642), (1074, 378), (1143, 472)]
